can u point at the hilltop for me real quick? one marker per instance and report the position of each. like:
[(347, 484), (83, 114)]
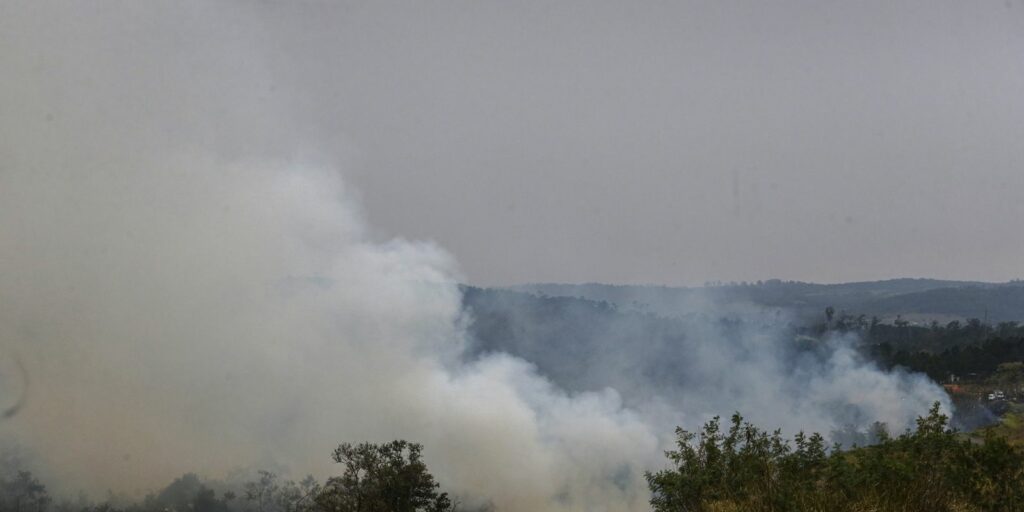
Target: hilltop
[(917, 300)]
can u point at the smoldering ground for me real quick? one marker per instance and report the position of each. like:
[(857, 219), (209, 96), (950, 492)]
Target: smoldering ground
[(192, 287)]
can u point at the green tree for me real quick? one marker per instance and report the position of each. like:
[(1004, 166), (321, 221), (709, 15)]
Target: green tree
[(298, 497), (390, 477), (746, 469), (262, 491), (23, 493), (1007, 374)]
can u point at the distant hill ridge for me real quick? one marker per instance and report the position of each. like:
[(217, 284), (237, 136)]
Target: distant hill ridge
[(915, 299)]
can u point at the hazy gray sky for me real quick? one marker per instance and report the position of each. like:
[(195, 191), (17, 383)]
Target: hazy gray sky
[(169, 183), (662, 142)]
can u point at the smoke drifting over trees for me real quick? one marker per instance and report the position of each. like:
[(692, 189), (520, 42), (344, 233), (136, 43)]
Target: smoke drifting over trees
[(703, 361), (187, 294)]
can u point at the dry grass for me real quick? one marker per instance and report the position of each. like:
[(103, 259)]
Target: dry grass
[(1011, 427)]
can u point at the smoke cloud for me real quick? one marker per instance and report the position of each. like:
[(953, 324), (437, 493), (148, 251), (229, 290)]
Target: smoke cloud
[(190, 314), (702, 360), (191, 286)]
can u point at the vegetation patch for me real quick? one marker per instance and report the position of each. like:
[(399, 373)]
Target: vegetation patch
[(747, 469)]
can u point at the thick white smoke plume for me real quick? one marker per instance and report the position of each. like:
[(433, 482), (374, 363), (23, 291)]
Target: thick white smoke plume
[(190, 314), (187, 296)]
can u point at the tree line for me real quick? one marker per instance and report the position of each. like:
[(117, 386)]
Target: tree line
[(746, 469), (388, 477), (733, 468), (971, 349)]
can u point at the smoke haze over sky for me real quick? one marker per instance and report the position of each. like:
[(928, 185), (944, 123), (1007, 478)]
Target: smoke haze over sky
[(189, 279), (587, 141)]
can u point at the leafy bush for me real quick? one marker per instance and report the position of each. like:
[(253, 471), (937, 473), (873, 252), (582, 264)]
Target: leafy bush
[(390, 477), (746, 469)]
